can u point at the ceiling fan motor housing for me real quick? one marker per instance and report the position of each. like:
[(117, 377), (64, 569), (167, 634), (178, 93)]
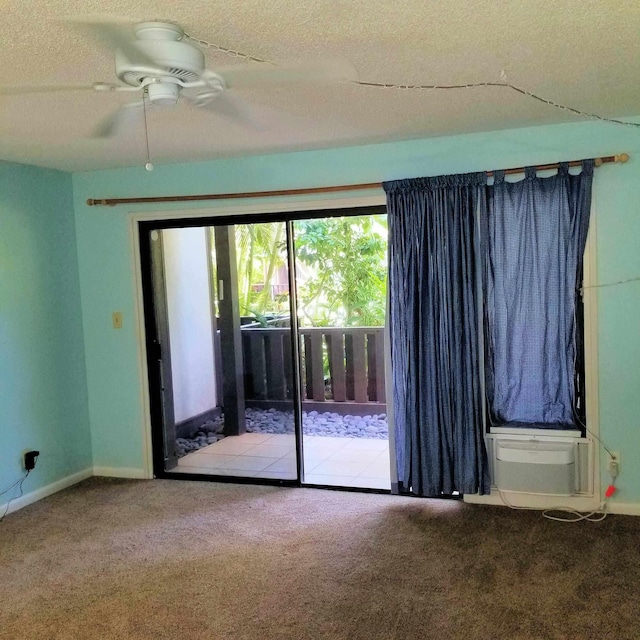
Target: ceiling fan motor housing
[(174, 60)]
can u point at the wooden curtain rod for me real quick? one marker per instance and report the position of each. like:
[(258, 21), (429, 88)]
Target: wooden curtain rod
[(111, 202)]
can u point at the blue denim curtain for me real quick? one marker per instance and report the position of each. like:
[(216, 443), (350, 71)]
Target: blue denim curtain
[(534, 235), (435, 351)]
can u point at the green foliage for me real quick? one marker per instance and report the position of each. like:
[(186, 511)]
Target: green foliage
[(341, 270), (260, 251), (346, 274)]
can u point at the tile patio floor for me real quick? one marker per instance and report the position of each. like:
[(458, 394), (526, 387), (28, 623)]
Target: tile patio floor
[(342, 462)]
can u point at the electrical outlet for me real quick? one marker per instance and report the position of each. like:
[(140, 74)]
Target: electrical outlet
[(614, 463)]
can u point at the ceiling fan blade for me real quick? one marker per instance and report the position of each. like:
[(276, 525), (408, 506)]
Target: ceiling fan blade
[(231, 107), (20, 90), (302, 72), (113, 33), (121, 121)]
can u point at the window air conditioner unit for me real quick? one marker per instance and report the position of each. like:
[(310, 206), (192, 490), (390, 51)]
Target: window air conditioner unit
[(535, 466)]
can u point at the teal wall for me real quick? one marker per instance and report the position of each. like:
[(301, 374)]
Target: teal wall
[(107, 267), (43, 398)]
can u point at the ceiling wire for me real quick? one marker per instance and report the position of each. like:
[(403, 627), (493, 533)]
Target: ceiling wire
[(504, 84), (610, 284), (230, 52)]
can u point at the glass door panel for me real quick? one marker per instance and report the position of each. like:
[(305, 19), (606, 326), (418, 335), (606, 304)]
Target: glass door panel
[(227, 371), (341, 274)]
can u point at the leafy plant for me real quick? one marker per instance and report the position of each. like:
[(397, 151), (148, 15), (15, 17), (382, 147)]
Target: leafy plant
[(260, 252), (346, 258), (341, 270)]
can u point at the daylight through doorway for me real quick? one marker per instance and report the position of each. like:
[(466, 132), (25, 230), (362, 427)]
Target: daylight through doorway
[(341, 280), (263, 375)]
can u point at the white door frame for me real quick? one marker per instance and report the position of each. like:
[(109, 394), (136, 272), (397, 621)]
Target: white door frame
[(221, 208)]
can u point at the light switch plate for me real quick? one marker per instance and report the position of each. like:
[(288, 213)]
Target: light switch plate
[(116, 319)]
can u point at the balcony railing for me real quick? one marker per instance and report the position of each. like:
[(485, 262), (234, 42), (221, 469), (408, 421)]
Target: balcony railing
[(342, 368)]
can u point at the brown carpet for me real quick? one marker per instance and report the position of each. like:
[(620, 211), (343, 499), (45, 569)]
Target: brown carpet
[(165, 559)]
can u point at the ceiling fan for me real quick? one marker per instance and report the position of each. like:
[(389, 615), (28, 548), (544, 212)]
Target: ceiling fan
[(156, 60)]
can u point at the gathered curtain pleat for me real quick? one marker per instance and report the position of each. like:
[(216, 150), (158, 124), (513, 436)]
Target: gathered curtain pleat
[(434, 327)]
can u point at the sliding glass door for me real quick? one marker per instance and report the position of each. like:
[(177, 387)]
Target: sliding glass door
[(265, 348)]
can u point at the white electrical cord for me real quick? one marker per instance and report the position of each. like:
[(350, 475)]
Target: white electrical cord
[(577, 516), (573, 516)]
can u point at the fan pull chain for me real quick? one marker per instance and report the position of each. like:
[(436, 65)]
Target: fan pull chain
[(148, 166)]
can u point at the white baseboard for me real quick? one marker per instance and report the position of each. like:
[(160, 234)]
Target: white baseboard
[(121, 472), (43, 492), (535, 501), (624, 508), (64, 483), (543, 502), (532, 501)]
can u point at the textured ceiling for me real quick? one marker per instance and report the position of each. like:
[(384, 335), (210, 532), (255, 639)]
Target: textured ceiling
[(584, 54)]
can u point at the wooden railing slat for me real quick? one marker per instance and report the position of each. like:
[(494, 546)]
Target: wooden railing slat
[(275, 366), (381, 392), (287, 364), (256, 347), (306, 363), (317, 370), (359, 368), (335, 344), (370, 340), (349, 368)]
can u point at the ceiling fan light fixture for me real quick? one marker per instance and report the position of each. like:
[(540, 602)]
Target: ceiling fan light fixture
[(163, 93)]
